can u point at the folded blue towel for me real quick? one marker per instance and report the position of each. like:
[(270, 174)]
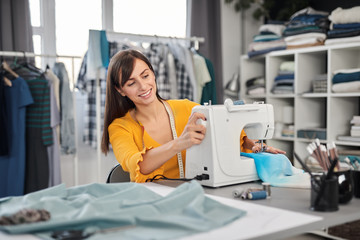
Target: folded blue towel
[(277, 170)]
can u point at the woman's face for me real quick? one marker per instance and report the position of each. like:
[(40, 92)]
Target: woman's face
[(141, 86)]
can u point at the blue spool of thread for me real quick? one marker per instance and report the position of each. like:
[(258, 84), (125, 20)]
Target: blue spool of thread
[(257, 195)]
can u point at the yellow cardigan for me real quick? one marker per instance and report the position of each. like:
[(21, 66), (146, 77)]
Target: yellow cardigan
[(130, 141)]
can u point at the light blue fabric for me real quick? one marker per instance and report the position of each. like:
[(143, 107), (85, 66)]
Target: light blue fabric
[(277, 170), (184, 211)]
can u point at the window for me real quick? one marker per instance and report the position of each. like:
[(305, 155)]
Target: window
[(73, 21), (156, 17)]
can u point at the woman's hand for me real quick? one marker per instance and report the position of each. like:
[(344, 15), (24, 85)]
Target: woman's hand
[(193, 133), (257, 148)]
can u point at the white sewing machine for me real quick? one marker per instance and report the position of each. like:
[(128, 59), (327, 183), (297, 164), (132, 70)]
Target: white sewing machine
[(219, 153)]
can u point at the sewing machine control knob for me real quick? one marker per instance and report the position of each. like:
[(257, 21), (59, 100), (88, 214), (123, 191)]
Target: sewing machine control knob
[(202, 122)]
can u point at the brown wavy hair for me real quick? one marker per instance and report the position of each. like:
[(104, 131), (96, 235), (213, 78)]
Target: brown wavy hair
[(116, 106)]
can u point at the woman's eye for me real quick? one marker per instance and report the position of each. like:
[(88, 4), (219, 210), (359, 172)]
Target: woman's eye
[(146, 76), (130, 84)]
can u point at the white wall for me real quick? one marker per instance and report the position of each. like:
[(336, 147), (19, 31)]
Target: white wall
[(237, 30)]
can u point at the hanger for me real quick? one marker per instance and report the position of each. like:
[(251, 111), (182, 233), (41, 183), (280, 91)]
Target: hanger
[(7, 82), (7, 68)]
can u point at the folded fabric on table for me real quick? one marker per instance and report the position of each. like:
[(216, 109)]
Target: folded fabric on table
[(277, 170), (184, 211), (344, 40)]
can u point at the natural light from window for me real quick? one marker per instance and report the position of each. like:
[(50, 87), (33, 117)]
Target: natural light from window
[(155, 17)]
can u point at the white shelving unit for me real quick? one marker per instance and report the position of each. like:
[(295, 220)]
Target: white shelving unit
[(332, 111)]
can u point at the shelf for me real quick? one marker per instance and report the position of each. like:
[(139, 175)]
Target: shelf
[(284, 138), (281, 95), (332, 111), (313, 95), (347, 143)]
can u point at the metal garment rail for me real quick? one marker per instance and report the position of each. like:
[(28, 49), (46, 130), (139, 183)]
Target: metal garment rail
[(138, 38), (30, 54)]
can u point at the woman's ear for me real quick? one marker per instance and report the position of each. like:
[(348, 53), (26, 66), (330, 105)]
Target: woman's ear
[(120, 91)]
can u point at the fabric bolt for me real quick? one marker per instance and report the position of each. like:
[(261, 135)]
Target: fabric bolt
[(346, 87), (350, 15), (12, 165), (277, 170), (67, 130), (184, 211)]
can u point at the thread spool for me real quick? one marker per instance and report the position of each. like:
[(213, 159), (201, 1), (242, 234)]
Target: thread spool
[(237, 193), (267, 188), (257, 195)]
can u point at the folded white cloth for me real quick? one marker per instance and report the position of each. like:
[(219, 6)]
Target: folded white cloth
[(351, 15), (346, 87), (274, 28), (305, 38), (347, 70), (334, 41)]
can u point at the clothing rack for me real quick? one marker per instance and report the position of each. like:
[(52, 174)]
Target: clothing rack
[(30, 54), (111, 35)]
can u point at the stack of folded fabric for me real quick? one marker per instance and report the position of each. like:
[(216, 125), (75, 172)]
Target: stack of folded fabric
[(255, 86), (306, 28), (284, 81), (346, 80), (345, 26), (269, 39), (319, 83)]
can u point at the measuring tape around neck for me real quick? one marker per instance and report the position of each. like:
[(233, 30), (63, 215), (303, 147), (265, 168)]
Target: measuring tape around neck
[(173, 130)]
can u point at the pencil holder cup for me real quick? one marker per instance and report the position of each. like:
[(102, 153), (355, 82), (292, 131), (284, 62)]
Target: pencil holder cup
[(356, 179), (346, 186), (324, 194)]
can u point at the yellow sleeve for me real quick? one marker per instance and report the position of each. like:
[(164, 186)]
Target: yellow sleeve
[(126, 140), (242, 148)]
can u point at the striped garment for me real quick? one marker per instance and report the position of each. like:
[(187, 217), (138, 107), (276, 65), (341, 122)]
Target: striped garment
[(38, 114)]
